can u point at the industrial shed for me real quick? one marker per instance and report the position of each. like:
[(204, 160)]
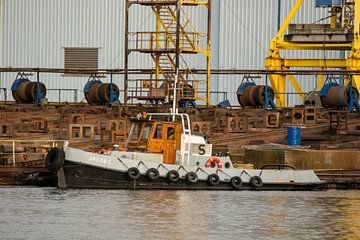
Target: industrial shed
[(36, 33)]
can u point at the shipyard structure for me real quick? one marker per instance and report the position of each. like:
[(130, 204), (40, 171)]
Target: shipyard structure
[(270, 84)]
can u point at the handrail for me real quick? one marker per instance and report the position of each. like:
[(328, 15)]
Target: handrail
[(279, 166), (14, 141)]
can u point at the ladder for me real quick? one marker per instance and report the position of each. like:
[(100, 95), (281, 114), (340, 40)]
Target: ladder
[(185, 141)]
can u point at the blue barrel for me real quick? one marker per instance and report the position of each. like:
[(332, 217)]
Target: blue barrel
[(294, 136)]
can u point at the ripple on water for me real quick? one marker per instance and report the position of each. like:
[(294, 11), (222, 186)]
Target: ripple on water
[(39, 213)]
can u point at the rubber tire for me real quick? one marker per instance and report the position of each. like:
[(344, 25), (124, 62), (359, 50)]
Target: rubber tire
[(236, 182), (133, 173), (55, 159), (213, 179), (191, 177), (173, 176), (152, 174), (255, 182)]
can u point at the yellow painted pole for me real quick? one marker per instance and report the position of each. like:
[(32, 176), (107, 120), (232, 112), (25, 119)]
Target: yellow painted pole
[(278, 84), (289, 18), (357, 18), (333, 18), (275, 62), (353, 62), (14, 163), (321, 80), (281, 83), (296, 86), (157, 58), (208, 53)]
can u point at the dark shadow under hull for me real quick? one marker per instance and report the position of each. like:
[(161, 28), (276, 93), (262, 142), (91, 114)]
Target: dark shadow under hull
[(84, 176)]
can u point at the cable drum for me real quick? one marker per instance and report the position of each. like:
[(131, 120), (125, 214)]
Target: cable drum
[(92, 96), (19, 94), (97, 92), (254, 95), (27, 92), (32, 89), (338, 96), (262, 94), (104, 92)]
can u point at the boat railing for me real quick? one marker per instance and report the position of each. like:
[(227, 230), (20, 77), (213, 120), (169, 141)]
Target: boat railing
[(185, 137), (9, 148)]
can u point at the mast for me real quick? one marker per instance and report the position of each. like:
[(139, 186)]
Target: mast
[(177, 56)]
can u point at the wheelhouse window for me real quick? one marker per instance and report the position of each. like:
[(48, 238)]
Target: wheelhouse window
[(146, 132), (135, 132), (158, 131), (171, 133)]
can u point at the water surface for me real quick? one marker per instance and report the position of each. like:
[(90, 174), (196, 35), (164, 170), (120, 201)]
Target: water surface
[(50, 213)]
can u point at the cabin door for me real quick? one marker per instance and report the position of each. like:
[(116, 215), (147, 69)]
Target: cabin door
[(170, 145)]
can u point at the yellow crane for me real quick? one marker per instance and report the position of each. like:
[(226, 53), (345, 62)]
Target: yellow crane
[(341, 34)]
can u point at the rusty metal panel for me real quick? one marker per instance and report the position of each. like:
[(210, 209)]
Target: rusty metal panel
[(272, 119), (6, 129), (327, 159), (310, 115), (237, 124), (304, 159), (293, 115), (201, 127)]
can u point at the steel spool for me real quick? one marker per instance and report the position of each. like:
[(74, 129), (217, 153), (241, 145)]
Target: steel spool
[(92, 96), (338, 96), (19, 94), (262, 92), (104, 92), (26, 92), (32, 88), (254, 95), (97, 92)]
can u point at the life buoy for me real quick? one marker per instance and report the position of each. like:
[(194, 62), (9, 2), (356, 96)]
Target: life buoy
[(104, 151), (55, 159), (211, 160)]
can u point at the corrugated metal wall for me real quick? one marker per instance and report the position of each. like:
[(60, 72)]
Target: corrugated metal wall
[(247, 28), (35, 32)]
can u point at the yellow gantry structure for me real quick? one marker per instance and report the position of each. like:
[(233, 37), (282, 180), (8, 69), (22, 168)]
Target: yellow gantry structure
[(346, 18), (174, 35)]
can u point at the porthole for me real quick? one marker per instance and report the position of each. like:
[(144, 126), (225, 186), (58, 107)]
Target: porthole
[(227, 165), (78, 174)]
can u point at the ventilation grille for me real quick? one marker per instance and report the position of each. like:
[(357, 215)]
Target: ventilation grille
[(84, 58)]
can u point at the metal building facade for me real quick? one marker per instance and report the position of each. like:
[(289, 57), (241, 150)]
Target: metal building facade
[(34, 33)]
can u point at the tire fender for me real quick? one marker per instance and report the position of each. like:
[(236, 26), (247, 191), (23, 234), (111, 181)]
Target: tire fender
[(255, 182), (55, 159)]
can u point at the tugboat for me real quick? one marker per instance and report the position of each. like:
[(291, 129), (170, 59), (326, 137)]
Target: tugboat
[(163, 153)]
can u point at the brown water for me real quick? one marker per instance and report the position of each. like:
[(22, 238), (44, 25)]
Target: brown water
[(49, 213)]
